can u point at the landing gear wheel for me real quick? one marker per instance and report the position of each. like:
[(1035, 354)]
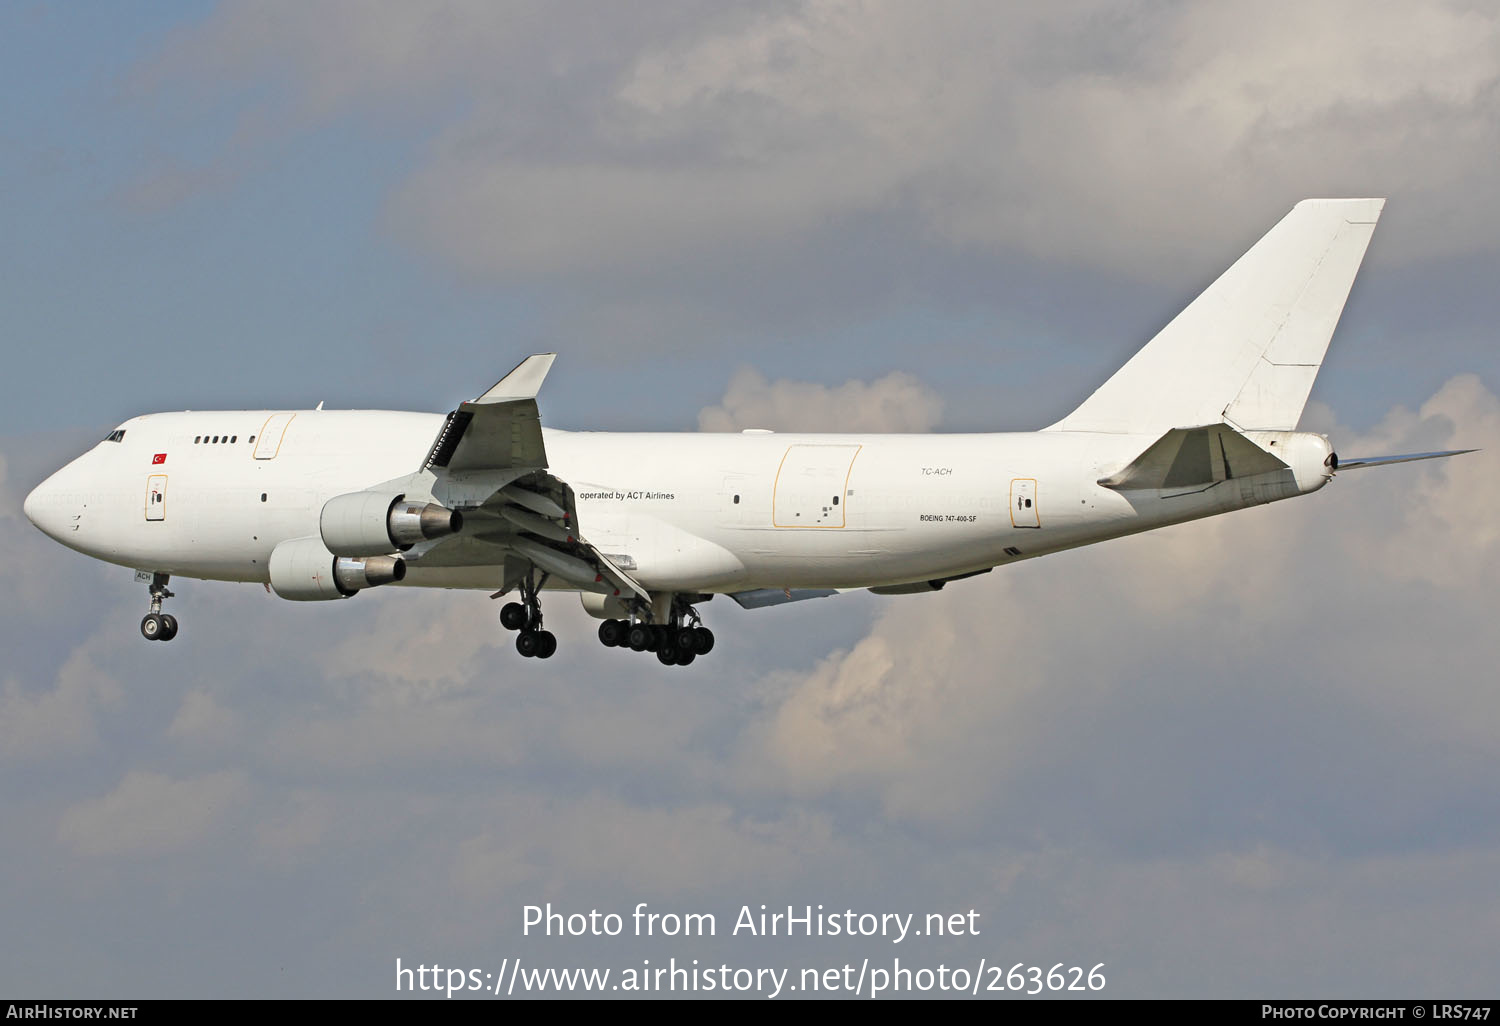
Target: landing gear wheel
[(546, 644), (666, 656), (158, 626), (513, 616), (685, 656), (703, 642), (638, 637), (685, 639), (612, 633), (527, 644)]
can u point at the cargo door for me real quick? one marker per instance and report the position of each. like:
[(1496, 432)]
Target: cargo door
[(812, 486)]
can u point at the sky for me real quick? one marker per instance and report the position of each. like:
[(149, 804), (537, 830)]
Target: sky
[(1245, 757)]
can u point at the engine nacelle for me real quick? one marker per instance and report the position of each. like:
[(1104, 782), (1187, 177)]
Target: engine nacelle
[(303, 570), (604, 607), (362, 522)]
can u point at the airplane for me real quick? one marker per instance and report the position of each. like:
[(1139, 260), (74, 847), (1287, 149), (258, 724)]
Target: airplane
[(323, 504)]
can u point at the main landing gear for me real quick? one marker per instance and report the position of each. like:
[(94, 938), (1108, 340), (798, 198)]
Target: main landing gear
[(526, 617), (159, 626), (676, 643)]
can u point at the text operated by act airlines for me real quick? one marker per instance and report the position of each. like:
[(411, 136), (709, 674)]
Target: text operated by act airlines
[(984, 973)]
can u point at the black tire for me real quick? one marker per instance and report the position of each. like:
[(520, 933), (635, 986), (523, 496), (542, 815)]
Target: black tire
[(666, 656), (169, 625), (685, 656), (612, 633), (527, 644), (513, 616), (685, 640), (704, 641), (638, 637), (546, 644), (152, 627)]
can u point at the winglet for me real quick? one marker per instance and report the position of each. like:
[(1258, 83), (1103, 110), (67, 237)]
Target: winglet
[(522, 383)]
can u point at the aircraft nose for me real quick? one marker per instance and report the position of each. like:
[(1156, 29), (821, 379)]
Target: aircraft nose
[(32, 504), (41, 508)]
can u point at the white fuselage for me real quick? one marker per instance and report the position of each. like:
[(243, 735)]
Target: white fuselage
[(710, 513)]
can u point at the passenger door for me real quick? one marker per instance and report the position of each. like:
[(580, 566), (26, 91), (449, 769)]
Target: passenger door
[(156, 497)]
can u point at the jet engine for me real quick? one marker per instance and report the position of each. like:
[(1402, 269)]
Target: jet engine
[(303, 570), (361, 522)]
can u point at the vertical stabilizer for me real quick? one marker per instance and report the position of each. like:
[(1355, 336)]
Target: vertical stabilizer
[(1247, 349)]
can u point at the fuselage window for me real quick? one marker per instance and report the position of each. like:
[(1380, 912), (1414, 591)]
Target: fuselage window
[(233, 439), (252, 439), (262, 496), (736, 500), (197, 439)]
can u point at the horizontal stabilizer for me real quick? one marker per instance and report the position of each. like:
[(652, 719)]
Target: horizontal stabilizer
[(1382, 461), (1194, 458)]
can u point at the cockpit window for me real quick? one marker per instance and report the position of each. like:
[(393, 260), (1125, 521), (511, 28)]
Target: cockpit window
[(117, 435)]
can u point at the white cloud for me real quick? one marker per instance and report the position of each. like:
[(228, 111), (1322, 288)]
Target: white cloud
[(202, 720), (58, 721), (152, 814), (897, 402), (689, 850), (1087, 132)]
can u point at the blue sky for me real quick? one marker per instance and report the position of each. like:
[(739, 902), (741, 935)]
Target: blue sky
[(1236, 758)]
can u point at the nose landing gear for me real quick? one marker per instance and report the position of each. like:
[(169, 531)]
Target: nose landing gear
[(156, 625)]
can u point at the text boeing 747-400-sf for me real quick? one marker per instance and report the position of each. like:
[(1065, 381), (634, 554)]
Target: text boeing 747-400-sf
[(321, 504)]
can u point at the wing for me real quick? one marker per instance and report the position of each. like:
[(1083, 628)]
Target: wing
[(516, 514)]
